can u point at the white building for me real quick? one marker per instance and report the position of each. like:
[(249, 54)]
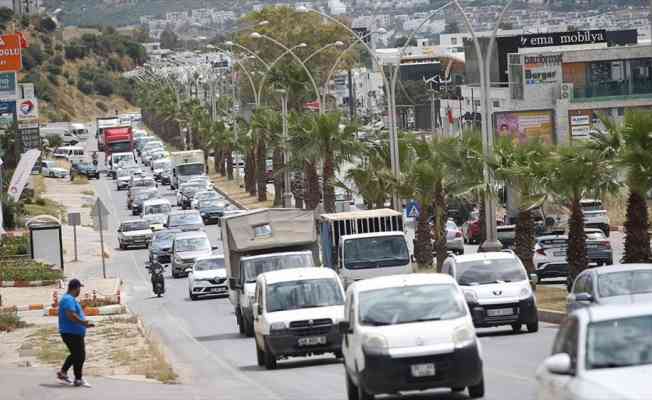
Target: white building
[(336, 7)]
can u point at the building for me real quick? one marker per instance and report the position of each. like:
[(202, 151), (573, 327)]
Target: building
[(25, 7)]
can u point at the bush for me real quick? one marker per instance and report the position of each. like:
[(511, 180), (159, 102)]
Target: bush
[(54, 69), (85, 87), (47, 25), (58, 60), (53, 79), (14, 246), (28, 270), (10, 211), (101, 106), (73, 51), (104, 87), (33, 56), (114, 64), (10, 321)]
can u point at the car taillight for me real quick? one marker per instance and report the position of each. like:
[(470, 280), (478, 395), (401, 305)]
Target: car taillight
[(458, 234), (541, 252), (606, 244)]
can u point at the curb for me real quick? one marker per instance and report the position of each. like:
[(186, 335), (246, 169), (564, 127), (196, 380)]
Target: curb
[(229, 198), (114, 309), (551, 316), (27, 283), (30, 307)]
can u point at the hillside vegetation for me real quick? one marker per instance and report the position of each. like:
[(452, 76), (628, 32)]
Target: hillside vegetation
[(78, 79)]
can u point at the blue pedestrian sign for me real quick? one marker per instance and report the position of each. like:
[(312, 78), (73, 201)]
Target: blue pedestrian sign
[(412, 209)]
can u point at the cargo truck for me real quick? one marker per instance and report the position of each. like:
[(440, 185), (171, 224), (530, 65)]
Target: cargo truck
[(261, 241), (102, 123), (364, 244), (185, 166)]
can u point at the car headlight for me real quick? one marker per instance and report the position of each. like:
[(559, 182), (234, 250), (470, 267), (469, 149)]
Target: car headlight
[(470, 296), (525, 293), (178, 260), (462, 336), (277, 326), (374, 344)]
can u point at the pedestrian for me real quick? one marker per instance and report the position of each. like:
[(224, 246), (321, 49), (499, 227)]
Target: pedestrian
[(72, 327)]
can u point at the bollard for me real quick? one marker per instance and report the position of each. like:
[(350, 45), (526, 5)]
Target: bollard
[(55, 299), (119, 302)]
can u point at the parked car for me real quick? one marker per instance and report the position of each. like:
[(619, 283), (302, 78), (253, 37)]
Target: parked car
[(454, 238), (297, 313), (207, 278), (160, 248), (186, 248), (134, 233), (600, 353), (189, 220), (595, 216), (49, 168), (496, 288), (411, 333), (86, 169), (613, 284)]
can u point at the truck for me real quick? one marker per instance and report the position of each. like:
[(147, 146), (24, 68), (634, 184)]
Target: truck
[(364, 244), (185, 166), (101, 124), (260, 241)]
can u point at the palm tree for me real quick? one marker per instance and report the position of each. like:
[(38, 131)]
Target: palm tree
[(523, 168), (573, 173), (266, 123), (332, 145)]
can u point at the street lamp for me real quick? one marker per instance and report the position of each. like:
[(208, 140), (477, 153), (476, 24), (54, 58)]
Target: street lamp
[(287, 195)]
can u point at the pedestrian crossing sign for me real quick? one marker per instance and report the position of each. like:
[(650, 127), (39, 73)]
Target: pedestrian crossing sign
[(412, 209)]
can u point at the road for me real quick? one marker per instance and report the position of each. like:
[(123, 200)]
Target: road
[(207, 350)]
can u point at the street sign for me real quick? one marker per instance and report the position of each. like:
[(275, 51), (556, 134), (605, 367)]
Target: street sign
[(8, 85), (99, 210), (26, 90), (412, 209), (10, 54), (74, 218)]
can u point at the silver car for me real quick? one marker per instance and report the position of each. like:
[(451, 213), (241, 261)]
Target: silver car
[(612, 284), (454, 238), (186, 248), (134, 233)]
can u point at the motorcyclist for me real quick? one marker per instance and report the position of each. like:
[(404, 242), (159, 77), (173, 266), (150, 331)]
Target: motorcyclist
[(156, 271)]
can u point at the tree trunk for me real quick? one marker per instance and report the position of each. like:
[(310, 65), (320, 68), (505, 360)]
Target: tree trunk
[(312, 194), (483, 221), (250, 173), (439, 211), (422, 239), (229, 164), (524, 239), (329, 182), (261, 181), (279, 186), (222, 165), (637, 238), (577, 261), (216, 159)]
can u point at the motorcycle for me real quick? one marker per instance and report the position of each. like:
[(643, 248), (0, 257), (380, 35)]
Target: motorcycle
[(158, 280)]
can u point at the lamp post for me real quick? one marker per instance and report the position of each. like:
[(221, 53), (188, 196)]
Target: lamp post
[(287, 195)]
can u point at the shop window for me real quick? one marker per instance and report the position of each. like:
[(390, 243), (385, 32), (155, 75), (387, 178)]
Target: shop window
[(496, 104)]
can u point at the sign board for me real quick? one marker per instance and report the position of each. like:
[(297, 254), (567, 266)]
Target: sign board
[(412, 209), (523, 126), (29, 138), (22, 173), (74, 219), (7, 114), (27, 109), (100, 212), (539, 69), (8, 85), (579, 132), (562, 38), (26, 90), (577, 120), (10, 53)]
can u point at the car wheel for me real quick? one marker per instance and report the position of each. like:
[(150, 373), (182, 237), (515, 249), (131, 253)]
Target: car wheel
[(458, 389), (239, 321), (351, 389), (260, 356), (249, 327), (476, 391), (338, 354), (174, 274), (269, 358), (516, 327), (51, 175), (363, 395), (533, 327), (192, 296), (122, 246)]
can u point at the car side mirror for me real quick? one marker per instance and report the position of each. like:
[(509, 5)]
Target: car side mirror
[(534, 278), (214, 247), (584, 297), (559, 364), (345, 327), (234, 283), (413, 258), (188, 271)]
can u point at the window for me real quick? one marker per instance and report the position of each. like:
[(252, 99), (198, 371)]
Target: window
[(580, 284), (496, 104), (453, 41)]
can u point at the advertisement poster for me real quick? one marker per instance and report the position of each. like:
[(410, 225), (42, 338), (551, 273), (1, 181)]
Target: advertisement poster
[(27, 109), (7, 114), (7, 85), (524, 126)]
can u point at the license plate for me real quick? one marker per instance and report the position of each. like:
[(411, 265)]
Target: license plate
[(559, 253), (217, 289), (312, 340), (500, 312), (421, 370)]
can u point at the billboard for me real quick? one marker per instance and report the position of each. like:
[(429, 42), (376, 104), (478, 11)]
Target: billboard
[(524, 126), (7, 114), (27, 110), (10, 54), (7, 85)]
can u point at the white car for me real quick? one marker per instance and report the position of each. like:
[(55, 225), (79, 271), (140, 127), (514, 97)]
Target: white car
[(134, 233), (49, 168), (595, 216), (123, 177), (204, 195), (207, 277), (410, 332), (600, 353), (496, 288), (454, 238), (296, 314), (549, 258)]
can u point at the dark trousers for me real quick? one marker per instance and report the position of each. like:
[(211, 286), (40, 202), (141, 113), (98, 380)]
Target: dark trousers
[(77, 348)]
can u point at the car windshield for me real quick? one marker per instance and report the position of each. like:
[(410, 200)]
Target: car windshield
[(124, 172), (375, 252), (122, 158), (162, 164), (211, 203), (209, 264), (616, 343), (625, 283), (254, 267), (190, 169), (163, 238), (192, 244), (595, 235), (158, 209), (451, 226), (144, 195), (592, 206), (482, 272), (309, 293), (407, 304), (207, 195), (134, 226), (190, 190), (184, 219)]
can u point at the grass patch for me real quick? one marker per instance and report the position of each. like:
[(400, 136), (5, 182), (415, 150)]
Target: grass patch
[(38, 182), (10, 321), (80, 180), (46, 206), (27, 270), (48, 345), (551, 298), (88, 192), (158, 367)]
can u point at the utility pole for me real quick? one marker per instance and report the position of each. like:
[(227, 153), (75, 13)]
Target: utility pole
[(351, 97), (287, 195)]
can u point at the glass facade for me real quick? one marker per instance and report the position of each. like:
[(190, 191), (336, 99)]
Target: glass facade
[(619, 78)]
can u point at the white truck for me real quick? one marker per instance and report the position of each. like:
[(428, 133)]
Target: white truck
[(186, 165), (261, 241), (364, 244)]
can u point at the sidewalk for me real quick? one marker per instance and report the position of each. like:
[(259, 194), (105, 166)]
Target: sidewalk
[(238, 196), (35, 383)]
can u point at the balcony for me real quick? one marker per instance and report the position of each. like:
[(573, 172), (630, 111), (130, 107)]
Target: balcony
[(613, 90)]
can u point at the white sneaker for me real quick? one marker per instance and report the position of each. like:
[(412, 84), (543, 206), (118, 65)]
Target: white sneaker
[(64, 378), (82, 382)]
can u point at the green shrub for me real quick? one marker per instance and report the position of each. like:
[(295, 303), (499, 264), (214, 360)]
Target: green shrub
[(14, 246), (85, 87), (10, 321), (54, 69), (104, 87), (103, 107), (47, 25), (27, 270), (73, 51), (58, 60), (33, 56), (53, 79)]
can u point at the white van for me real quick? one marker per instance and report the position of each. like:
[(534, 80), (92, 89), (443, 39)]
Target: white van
[(156, 213), (69, 152), (121, 160), (410, 332), (79, 130), (296, 314)]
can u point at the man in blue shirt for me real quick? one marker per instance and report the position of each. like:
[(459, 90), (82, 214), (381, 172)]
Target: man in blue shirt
[(72, 327)]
